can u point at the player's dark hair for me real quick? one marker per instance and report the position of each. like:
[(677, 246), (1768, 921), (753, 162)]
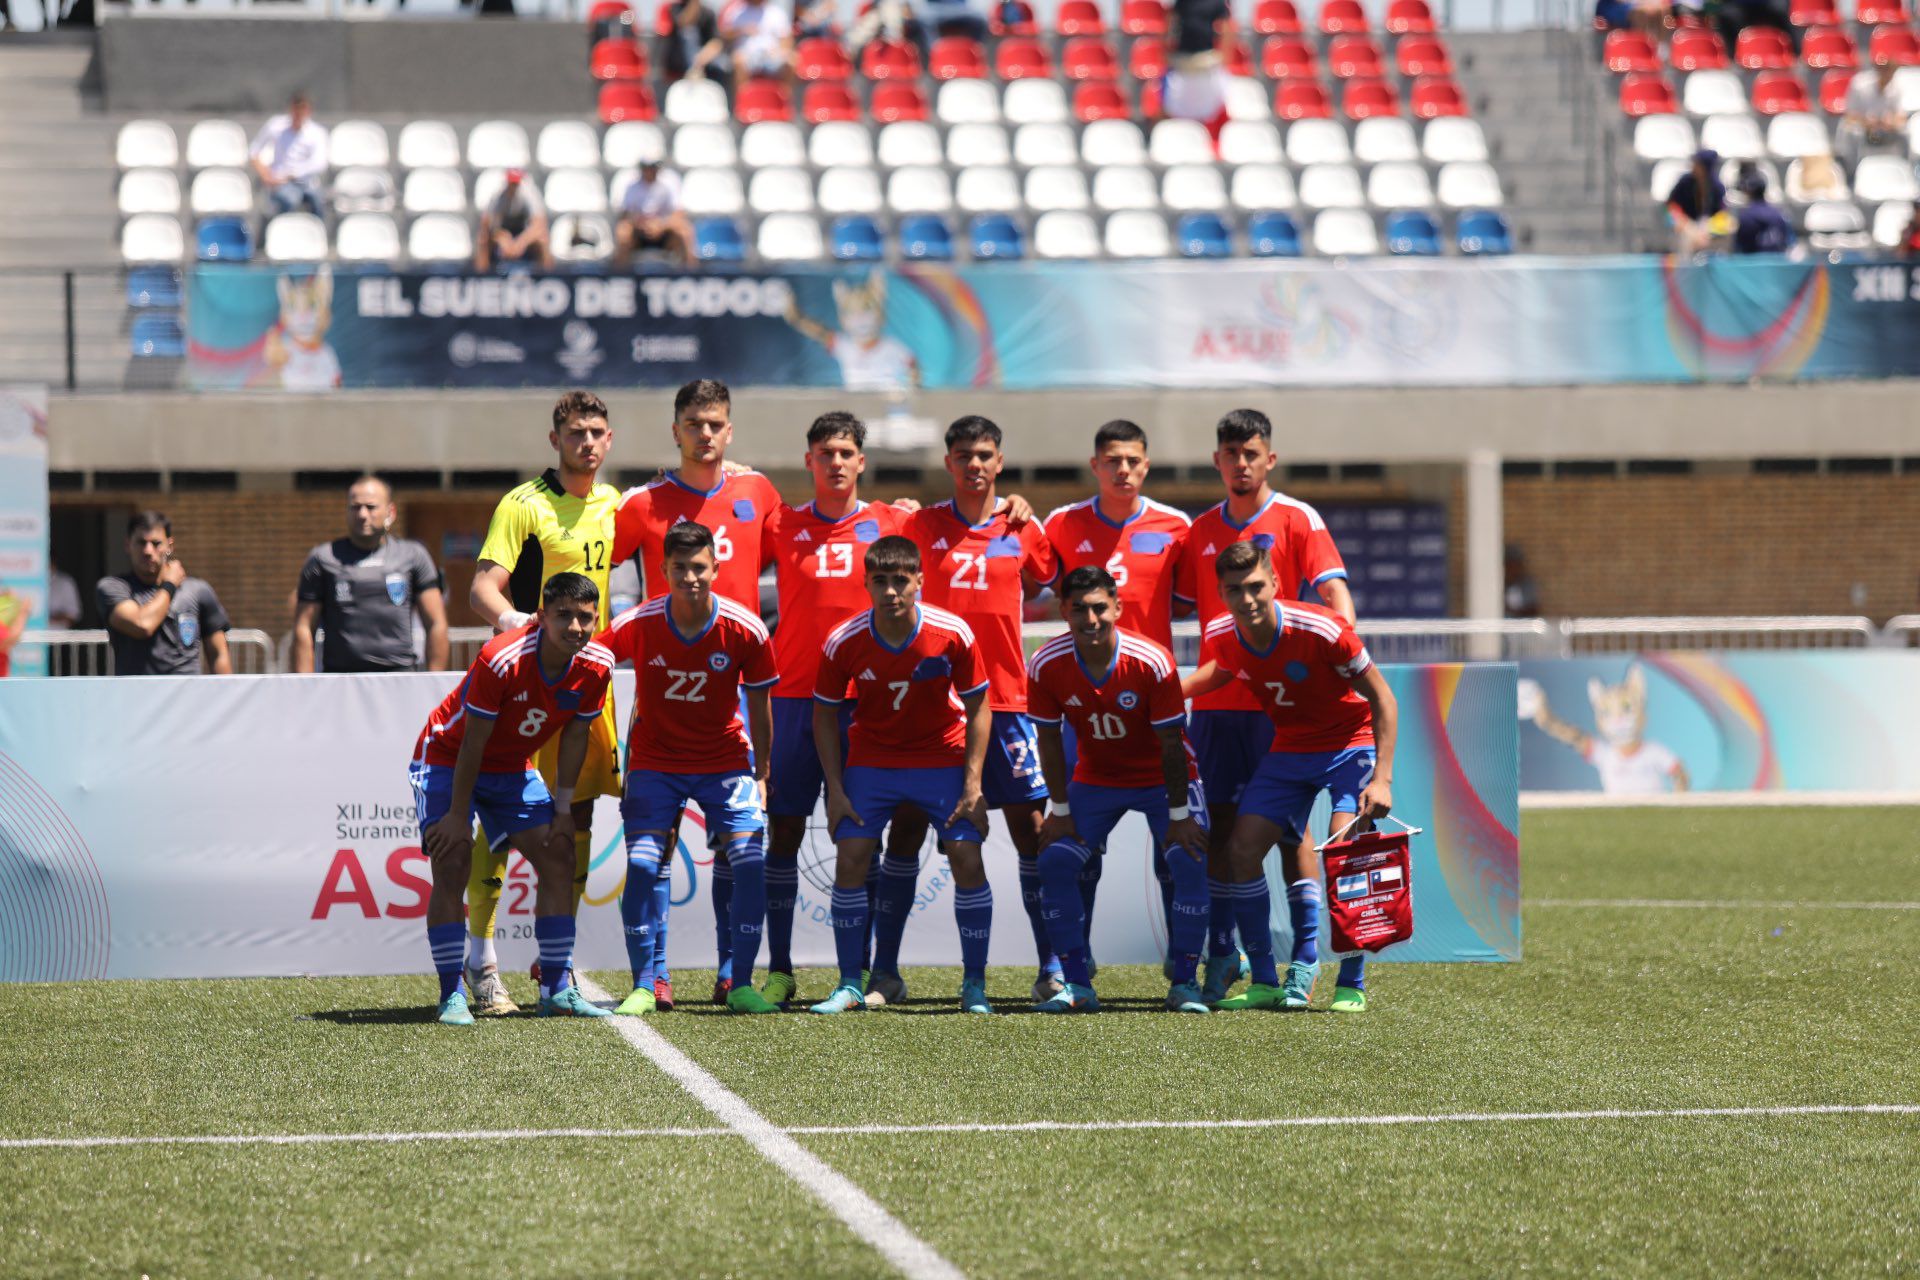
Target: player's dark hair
[(837, 422), (1241, 557), (1119, 431), (685, 539), (144, 521), (971, 428), (569, 588), (701, 393), (576, 406), (1089, 577), (893, 554), (1242, 425)]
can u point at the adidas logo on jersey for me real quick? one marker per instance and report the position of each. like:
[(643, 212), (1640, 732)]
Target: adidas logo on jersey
[(1074, 700), (520, 696), (1211, 550), (868, 674), (658, 661), (940, 545), (804, 536), (1085, 548)]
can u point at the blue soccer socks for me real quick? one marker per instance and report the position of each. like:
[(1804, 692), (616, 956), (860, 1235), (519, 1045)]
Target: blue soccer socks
[(747, 907), (1036, 913), (645, 855), (783, 888), (1303, 910), (1353, 972), (448, 943), (973, 913), (723, 917), (1188, 910), (850, 918), (892, 904), (1220, 919), (554, 934), (1062, 867), (1253, 910)]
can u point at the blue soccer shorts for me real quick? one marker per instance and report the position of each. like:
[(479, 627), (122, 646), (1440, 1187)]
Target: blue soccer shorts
[(1286, 784), (730, 802), (1012, 771), (1229, 746), (1097, 809), (794, 790), (505, 803), (875, 793)]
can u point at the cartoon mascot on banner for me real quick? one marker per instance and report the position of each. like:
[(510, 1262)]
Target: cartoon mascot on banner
[(296, 346), (1618, 749), (869, 359)]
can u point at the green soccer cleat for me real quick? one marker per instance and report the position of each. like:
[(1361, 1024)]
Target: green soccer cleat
[(1184, 997), (747, 1000), (884, 989), (1221, 972), (569, 1003), (639, 1001), (843, 1000), (779, 988), (1073, 998), (973, 997), (1257, 996), (454, 1012), (1349, 1000), (1299, 984)]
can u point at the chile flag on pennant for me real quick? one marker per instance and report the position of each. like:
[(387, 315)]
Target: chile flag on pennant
[(1369, 890)]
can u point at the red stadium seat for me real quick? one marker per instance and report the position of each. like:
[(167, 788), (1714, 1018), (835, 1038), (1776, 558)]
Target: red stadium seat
[(957, 58), (1626, 51), (1302, 99), (1895, 44), (898, 100), (1874, 13), (1777, 91), (1343, 18), (1236, 59), (619, 60), (1078, 18), (1100, 100), (1150, 104), (1089, 58), (1825, 47), (626, 100), (1147, 59), (1276, 18), (1644, 94), (1697, 50), (762, 100), (1012, 20), (1021, 58), (1143, 18), (1363, 99), (1354, 57), (889, 60), (818, 58), (1833, 91), (1423, 56), (1284, 56), (605, 10), (1410, 18), (663, 18), (1436, 96), (1814, 13), (826, 101), (1763, 49)]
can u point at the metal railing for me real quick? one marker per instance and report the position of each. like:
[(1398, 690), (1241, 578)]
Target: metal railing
[(87, 653), (1615, 635), (71, 328)]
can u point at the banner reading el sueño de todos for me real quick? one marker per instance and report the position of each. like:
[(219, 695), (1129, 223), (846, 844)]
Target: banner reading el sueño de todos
[(261, 825), (1654, 722), (1062, 325)]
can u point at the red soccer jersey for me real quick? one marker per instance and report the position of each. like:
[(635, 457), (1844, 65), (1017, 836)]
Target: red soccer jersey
[(687, 690), (1304, 681), (505, 685), (1303, 557), (975, 573), (735, 511), (1114, 721), (1141, 554), (823, 581), (907, 712)]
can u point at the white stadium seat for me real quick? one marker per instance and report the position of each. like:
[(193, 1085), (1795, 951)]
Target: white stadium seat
[(567, 144), (1064, 233), (1193, 186), (1331, 186), (698, 144), (428, 144), (1913, 134), (1735, 137), (146, 144), (1125, 186), (839, 142), (1344, 233), (358, 142), (439, 237), (1665, 174), (791, 237), (434, 191), (1250, 142), (1135, 234), (498, 144), (1663, 138), (1106, 142), (975, 144), (1033, 101), (227, 191), (780, 191), (488, 185), (1247, 99), (1906, 88), (908, 142), (1398, 185), (582, 237), (367, 237), (629, 142), (1881, 178), (575, 191), (919, 189), (696, 102), (967, 102), (767, 143), (987, 189), (1318, 142), (706, 192), (1890, 223), (1793, 134), (149, 191), (1384, 140), (1038, 144), (1837, 224), (1451, 138), (1056, 187), (152, 237), (217, 144), (361, 189), (846, 189), (1713, 93), (1259, 187), (295, 237), (1467, 184), (1180, 142)]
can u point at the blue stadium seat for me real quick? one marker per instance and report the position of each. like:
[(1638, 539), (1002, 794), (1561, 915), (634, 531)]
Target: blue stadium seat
[(995, 235), (1204, 235), (1484, 232), (1412, 232), (855, 238), (224, 240), (718, 240), (157, 334), (1273, 235), (927, 237), (153, 287)]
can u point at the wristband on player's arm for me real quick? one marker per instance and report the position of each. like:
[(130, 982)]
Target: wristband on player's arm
[(1058, 809), (511, 618)]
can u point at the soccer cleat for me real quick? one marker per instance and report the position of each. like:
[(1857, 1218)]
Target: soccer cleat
[(1349, 1000), (1184, 997), (779, 988), (639, 1001), (1073, 998), (843, 1000), (885, 989), (663, 995), (490, 998), (453, 1011), (1221, 973), (722, 987), (973, 996), (569, 1003), (1257, 996), (747, 1000), (1049, 984), (1299, 984)]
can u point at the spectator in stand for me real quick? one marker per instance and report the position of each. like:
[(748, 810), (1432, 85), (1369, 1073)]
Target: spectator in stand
[(63, 601), (513, 228), (1731, 17), (759, 36), (1875, 120), (651, 217), (290, 157), (1760, 227), (363, 591), (1649, 17), (1697, 198), (893, 21), (1522, 593), (692, 48), (816, 19), (1196, 82), (1816, 178), (159, 620)]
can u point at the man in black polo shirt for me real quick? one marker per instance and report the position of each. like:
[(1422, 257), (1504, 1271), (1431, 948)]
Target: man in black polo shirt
[(363, 591), (159, 620)]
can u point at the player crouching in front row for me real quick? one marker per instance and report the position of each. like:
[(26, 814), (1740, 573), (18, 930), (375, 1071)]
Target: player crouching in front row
[(474, 756), (1335, 721)]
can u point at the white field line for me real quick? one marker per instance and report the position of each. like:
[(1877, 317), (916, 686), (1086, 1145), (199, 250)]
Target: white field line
[(1011, 1127), (842, 1197), (1717, 799), (1719, 904)]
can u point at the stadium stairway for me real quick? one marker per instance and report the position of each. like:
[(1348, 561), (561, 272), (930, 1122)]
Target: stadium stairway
[(57, 210)]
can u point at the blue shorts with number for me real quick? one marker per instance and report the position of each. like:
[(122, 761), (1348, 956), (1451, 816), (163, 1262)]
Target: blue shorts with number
[(1229, 746), (797, 781), (1286, 784), (729, 801), (875, 793), (1097, 809), (505, 803), (1012, 772)]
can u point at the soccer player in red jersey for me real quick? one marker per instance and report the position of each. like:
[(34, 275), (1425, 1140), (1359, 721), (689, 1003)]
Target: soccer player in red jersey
[(919, 737), (1120, 692), (474, 758), (694, 652), (1335, 721), (1230, 735), (982, 566)]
